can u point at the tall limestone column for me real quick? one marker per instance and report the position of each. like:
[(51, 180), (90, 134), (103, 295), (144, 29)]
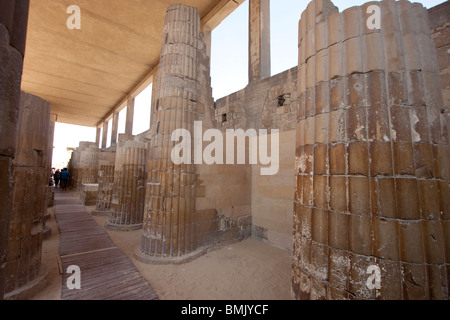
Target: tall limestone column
[(178, 101), (25, 272), (372, 202), (128, 192), (13, 30)]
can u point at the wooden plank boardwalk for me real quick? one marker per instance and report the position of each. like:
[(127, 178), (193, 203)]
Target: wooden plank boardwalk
[(106, 272)]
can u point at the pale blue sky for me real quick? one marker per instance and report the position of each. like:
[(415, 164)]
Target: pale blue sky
[(229, 63)]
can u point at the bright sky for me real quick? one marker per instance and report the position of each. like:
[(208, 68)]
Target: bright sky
[(229, 65)]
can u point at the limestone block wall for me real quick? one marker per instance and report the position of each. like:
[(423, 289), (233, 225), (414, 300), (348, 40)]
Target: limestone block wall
[(13, 25), (267, 104), (223, 204), (371, 158), (272, 197), (106, 158), (128, 190), (84, 165), (23, 261), (88, 194)]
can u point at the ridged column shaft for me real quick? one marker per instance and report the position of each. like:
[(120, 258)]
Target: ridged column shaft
[(13, 26), (372, 157), (105, 189), (128, 194), (170, 204)]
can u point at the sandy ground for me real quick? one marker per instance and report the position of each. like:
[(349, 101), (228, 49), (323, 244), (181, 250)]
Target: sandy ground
[(249, 270)]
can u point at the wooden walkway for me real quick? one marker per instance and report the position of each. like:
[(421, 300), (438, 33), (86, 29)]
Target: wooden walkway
[(106, 272)]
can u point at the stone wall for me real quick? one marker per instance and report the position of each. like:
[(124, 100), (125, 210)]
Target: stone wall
[(89, 163), (88, 194), (266, 104), (223, 204), (272, 198)]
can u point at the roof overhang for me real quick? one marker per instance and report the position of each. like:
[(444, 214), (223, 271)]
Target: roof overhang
[(88, 74)]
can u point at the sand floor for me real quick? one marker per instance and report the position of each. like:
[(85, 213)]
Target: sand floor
[(249, 270)]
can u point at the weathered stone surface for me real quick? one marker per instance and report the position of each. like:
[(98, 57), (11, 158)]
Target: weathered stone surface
[(369, 195), (128, 190), (266, 104), (170, 205), (105, 190), (10, 77), (84, 165), (88, 194), (31, 173)]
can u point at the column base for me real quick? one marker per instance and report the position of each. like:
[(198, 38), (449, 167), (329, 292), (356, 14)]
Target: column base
[(121, 227), (98, 213), (32, 288), (148, 259)]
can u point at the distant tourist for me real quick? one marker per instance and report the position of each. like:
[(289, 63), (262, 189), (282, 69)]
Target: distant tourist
[(57, 177), (65, 176)]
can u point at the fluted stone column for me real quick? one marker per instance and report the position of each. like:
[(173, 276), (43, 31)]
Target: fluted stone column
[(372, 199), (169, 221), (128, 194), (13, 27), (25, 271), (105, 190)]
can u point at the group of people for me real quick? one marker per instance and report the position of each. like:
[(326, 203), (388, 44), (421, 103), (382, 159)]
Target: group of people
[(61, 178)]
